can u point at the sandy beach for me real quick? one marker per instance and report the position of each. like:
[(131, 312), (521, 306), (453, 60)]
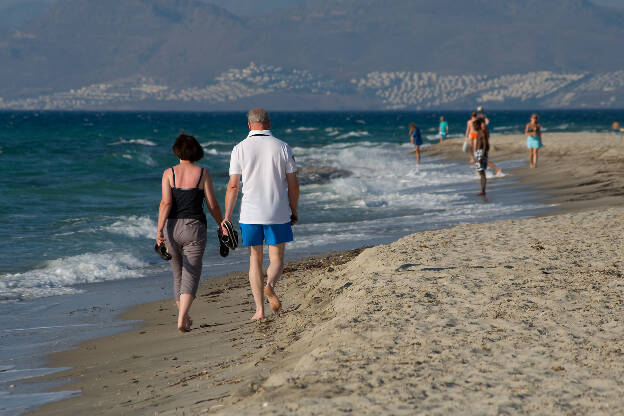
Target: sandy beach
[(511, 317)]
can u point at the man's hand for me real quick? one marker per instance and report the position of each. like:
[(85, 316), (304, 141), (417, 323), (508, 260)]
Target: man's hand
[(294, 218), (223, 229)]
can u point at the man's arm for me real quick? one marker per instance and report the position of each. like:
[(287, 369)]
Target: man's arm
[(231, 195), (293, 195)]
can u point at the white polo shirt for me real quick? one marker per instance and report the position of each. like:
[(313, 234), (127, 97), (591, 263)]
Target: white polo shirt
[(263, 162)]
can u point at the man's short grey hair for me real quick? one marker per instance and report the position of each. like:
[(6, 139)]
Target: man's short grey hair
[(257, 115)]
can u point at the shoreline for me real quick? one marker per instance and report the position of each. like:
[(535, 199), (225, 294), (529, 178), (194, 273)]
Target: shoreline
[(243, 372)]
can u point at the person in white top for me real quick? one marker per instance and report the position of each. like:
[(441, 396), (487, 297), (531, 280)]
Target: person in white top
[(267, 169)]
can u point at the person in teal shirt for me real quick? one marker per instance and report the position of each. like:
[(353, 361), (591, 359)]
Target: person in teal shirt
[(443, 129)]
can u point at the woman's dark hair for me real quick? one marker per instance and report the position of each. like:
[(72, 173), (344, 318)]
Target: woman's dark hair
[(187, 148)]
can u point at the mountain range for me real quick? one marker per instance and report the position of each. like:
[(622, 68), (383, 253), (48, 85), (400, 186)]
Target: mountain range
[(314, 49)]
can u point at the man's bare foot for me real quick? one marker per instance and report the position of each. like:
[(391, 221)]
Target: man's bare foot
[(182, 329), (274, 302), (481, 194), (258, 315)]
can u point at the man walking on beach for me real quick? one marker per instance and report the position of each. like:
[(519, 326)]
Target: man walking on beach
[(269, 206), (485, 123), (482, 147)]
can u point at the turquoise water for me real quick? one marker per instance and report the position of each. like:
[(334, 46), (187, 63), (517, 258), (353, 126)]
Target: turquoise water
[(80, 192)]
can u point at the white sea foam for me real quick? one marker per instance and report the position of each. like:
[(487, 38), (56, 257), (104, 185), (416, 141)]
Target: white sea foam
[(216, 143), (57, 277), (14, 374), (387, 194), (306, 128), (133, 226), (142, 142), (216, 152), (353, 134)]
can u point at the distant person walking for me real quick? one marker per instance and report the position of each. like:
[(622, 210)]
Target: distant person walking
[(533, 131), (471, 136), (182, 222), (416, 140), (482, 148), (269, 206), (443, 129), (480, 115), (616, 127)]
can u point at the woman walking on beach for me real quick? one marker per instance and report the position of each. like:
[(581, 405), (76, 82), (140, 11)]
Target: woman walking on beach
[(182, 222), (416, 140), (533, 131)]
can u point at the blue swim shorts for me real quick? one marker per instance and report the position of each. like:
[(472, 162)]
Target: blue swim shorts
[(443, 135), (480, 161), (272, 234), (534, 142)]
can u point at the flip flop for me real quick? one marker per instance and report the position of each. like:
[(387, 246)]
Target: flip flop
[(223, 248), (230, 240), (161, 250), (274, 302)]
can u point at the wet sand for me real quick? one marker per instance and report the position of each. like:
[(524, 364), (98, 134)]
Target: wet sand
[(575, 170), (510, 317)]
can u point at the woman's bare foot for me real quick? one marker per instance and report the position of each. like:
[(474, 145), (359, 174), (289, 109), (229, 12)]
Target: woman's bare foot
[(185, 325), (274, 301), (258, 315)]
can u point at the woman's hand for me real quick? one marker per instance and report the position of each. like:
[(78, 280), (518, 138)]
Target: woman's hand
[(160, 238)]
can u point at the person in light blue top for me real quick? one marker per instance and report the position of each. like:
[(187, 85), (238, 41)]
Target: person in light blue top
[(416, 140), (443, 129), (533, 131)]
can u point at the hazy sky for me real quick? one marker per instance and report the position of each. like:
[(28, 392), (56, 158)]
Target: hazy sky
[(15, 12)]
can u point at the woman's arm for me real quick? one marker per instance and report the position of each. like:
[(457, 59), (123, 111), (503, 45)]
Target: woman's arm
[(164, 208), (526, 129), (211, 199)]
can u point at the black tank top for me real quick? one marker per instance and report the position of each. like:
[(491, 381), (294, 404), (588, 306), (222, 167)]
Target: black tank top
[(188, 203)]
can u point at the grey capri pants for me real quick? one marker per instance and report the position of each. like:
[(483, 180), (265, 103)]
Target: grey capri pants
[(186, 241)]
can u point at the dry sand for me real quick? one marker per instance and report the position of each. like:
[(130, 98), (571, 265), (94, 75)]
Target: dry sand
[(512, 317)]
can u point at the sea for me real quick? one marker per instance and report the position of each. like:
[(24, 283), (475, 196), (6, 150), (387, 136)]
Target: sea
[(79, 195)]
